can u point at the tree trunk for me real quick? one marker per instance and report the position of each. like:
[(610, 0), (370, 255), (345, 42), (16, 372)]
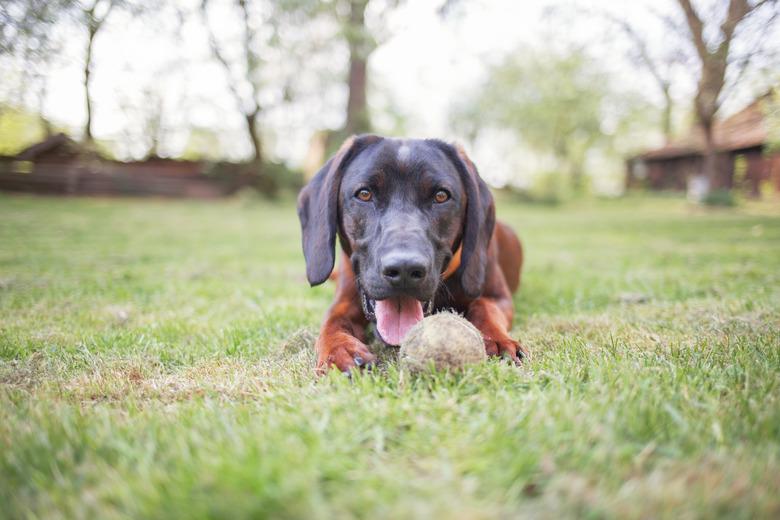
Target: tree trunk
[(87, 95), (666, 115), (358, 120), (710, 158), (48, 130), (712, 77), (577, 181), (707, 106), (357, 108), (254, 136)]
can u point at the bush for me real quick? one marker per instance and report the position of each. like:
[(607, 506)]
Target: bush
[(286, 179), (270, 180), (720, 197), (549, 188)]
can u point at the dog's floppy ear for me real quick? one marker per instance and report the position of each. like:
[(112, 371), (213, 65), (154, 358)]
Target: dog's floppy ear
[(318, 210), (479, 224)]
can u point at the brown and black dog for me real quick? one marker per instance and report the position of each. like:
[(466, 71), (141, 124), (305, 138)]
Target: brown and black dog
[(418, 234)]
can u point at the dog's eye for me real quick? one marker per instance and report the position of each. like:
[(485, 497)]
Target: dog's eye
[(364, 194), (441, 196)]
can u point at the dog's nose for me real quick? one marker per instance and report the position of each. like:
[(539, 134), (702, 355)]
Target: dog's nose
[(404, 270)]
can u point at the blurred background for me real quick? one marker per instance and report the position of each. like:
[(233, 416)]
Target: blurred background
[(554, 99)]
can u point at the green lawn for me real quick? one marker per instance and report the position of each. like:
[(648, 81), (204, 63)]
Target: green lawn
[(156, 362)]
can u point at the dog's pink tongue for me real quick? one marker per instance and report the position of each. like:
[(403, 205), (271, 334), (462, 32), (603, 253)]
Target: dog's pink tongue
[(395, 316)]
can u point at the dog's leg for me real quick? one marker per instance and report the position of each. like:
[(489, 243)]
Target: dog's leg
[(510, 255), (341, 341), (491, 313)]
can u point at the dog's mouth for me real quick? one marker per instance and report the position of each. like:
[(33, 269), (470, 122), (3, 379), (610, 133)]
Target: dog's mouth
[(395, 316)]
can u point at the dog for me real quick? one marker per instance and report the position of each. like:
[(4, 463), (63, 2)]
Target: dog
[(417, 230)]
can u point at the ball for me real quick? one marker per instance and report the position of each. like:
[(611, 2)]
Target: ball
[(444, 341)]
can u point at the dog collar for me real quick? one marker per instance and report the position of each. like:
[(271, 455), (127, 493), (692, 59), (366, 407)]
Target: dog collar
[(453, 265)]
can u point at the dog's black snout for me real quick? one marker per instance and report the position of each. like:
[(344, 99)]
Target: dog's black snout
[(404, 270)]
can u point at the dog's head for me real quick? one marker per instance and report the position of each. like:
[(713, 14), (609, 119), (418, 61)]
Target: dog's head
[(402, 209)]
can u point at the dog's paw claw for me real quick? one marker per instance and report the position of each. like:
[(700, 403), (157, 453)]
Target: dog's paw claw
[(507, 349), (515, 360), (345, 356)]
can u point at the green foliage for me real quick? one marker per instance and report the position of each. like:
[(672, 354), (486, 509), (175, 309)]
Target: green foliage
[(202, 144), (18, 130), (286, 179), (549, 188), (553, 103), (720, 197), (561, 107), (156, 362), (26, 26), (271, 179)]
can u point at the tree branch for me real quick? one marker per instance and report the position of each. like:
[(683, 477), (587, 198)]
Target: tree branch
[(743, 63), (252, 60), (99, 21), (738, 9), (641, 47), (221, 58), (696, 26)]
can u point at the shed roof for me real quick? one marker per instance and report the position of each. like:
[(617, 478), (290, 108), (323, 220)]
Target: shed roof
[(745, 129), (57, 145)]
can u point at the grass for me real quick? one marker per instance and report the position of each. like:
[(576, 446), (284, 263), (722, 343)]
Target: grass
[(155, 362)]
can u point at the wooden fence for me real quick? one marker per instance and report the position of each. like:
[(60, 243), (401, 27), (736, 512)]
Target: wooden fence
[(114, 179)]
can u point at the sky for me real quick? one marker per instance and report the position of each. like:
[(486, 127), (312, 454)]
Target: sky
[(425, 63)]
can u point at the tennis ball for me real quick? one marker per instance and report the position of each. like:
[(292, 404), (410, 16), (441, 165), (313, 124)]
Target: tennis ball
[(444, 341)]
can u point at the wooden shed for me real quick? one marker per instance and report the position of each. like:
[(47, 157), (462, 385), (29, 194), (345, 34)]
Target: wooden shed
[(744, 159), (60, 165)]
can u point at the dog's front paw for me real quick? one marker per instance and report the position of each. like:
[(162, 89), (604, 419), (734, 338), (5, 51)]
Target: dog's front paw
[(507, 348), (344, 353)]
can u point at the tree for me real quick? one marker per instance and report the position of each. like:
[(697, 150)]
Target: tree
[(256, 62), (716, 56), (361, 45), (362, 41), (147, 123), (93, 16), (659, 65), (25, 25), (553, 103), (27, 33), (19, 128), (242, 73), (30, 23)]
